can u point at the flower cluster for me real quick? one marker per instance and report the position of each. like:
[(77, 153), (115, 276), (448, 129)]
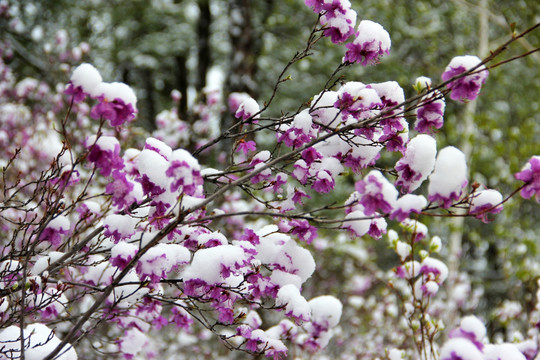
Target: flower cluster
[(371, 42), (116, 101), (530, 174), (337, 17), (467, 87)]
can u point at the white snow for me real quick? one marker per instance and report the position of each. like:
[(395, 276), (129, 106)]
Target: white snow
[(450, 173), (87, 77)]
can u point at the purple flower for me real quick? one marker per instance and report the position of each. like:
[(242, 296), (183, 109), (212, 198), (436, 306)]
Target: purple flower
[(251, 236), (58, 226), (530, 174), (246, 146), (372, 41), (486, 202), (105, 154), (338, 20), (185, 176), (149, 187), (430, 114), (376, 193), (303, 230), (298, 195), (76, 92), (247, 109), (181, 318), (119, 189), (301, 171), (324, 182), (315, 4), (467, 87), (116, 111)]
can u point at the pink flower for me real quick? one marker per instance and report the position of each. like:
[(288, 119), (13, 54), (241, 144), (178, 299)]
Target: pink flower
[(246, 146), (119, 189), (76, 92), (376, 193), (372, 41), (247, 109), (116, 111), (530, 174), (467, 87), (105, 154), (430, 114), (303, 230), (324, 182)]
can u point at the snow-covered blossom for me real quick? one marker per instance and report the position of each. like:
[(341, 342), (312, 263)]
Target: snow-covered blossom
[(467, 87), (530, 174), (235, 99), (355, 98), (449, 177), (417, 163), (54, 230), (185, 172), (376, 192), (123, 191), (472, 329), (248, 108), (117, 103), (132, 343), (303, 230), (105, 154), (160, 260), (84, 81), (119, 227), (300, 131), (504, 351), (372, 41), (355, 222), (460, 349), (323, 111), (406, 205), (295, 305), (337, 17), (484, 202), (122, 253), (430, 113)]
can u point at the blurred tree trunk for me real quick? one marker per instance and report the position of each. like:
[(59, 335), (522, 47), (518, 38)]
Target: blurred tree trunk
[(203, 34), (243, 62), (457, 225), (181, 83)]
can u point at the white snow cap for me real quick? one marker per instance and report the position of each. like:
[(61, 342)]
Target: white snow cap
[(369, 30), (87, 77), (295, 304), (471, 324), (326, 310), (123, 224), (487, 197), (116, 90), (59, 223), (449, 177), (460, 348), (420, 158), (208, 263), (324, 111), (358, 227)]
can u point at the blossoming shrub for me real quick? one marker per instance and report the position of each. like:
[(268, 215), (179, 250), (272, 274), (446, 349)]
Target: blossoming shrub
[(148, 239)]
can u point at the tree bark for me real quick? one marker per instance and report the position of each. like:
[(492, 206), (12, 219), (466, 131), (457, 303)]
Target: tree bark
[(203, 35)]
